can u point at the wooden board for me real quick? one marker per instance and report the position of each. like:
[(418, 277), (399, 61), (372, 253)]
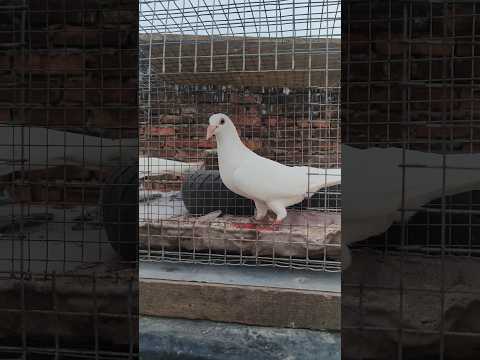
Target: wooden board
[(250, 305), (303, 233), (276, 66)]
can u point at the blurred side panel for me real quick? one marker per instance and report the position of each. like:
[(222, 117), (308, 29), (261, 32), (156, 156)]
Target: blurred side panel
[(68, 179), (411, 174)]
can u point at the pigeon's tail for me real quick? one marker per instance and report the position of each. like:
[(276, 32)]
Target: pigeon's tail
[(461, 175), (322, 178)]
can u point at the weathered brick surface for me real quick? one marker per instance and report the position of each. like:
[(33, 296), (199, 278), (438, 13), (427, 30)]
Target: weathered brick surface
[(274, 125), (79, 55), (80, 72), (437, 83)]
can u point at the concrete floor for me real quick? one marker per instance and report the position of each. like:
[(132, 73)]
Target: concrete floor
[(175, 339), (162, 338)]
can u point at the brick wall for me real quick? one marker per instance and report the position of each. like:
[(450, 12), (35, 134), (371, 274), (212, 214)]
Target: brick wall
[(75, 71), (79, 64), (437, 81), (271, 123)]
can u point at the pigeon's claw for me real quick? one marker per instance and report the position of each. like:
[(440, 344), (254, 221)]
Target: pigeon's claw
[(276, 225)]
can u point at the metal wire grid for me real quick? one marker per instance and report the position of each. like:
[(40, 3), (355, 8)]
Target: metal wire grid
[(274, 68), (54, 252), (89, 324), (274, 19), (410, 80)]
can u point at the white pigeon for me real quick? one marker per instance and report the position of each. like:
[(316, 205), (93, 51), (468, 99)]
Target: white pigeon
[(40, 148), (372, 190), (151, 166), (271, 185)]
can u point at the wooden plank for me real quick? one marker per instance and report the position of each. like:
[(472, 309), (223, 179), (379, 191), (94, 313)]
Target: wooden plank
[(250, 305)]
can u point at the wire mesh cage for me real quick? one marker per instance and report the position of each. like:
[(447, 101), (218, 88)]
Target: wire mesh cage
[(273, 68), (67, 74), (410, 89)]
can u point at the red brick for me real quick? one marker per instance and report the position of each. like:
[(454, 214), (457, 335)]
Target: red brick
[(244, 99), (246, 120), (73, 36), (170, 119), (189, 143), (303, 123), (271, 121), (320, 124), (161, 131), (191, 131), (189, 156), (53, 64), (254, 144), (161, 153), (278, 121), (188, 110)]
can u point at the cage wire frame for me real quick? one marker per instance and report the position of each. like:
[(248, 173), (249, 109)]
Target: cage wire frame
[(416, 89), (45, 291), (242, 58)]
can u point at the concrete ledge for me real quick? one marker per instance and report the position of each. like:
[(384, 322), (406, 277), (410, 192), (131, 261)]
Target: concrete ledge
[(239, 302), (176, 339)]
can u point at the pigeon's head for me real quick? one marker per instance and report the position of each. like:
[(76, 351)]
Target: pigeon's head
[(218, 124)]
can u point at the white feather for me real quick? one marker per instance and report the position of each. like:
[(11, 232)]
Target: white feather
[(151, 166), (40, 148), (372, 193)]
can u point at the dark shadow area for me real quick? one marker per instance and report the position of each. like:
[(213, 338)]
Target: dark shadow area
[(68, 124), (410, 211)]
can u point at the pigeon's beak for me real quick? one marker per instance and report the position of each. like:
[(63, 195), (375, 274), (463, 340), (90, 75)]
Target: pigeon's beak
[(210, 130)]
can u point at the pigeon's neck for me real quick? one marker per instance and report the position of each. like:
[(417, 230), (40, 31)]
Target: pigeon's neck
[(230, 149), (230, 141)]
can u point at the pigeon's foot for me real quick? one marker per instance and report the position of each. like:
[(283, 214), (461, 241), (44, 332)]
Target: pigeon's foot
[(276, 224)]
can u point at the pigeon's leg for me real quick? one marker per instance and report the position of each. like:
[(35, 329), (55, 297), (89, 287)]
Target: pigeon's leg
[(261, 210), (279, 210), (281, 213)]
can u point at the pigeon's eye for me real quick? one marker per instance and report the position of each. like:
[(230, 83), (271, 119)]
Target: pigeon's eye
[(222, 121)]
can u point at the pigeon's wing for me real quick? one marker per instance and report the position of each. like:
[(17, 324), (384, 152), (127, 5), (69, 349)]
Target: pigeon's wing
[(267, 181)]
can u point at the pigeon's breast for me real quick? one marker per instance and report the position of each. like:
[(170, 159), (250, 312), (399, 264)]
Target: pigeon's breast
[(228, 181)]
